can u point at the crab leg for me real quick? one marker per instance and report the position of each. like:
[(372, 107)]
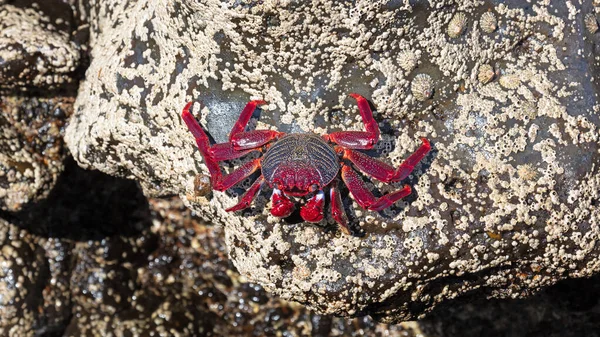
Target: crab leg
[(364, 197), (226, 151), (382, 171), (203, 144), (337, 209), (313, 210), (250, 194), (409, 163), (253, 139), (237, 175), (358, 139), (244, 118)]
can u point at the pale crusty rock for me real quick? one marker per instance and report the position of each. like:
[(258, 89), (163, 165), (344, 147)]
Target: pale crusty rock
[(507, 202), (37, 46)]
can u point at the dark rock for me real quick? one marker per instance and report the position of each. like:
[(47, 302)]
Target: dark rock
[(40, 45), (31, 147), (96, 258)]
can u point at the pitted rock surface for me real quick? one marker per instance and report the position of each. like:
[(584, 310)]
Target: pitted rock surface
[(506, 203), (40, 45), (98, 258), (31, 147)]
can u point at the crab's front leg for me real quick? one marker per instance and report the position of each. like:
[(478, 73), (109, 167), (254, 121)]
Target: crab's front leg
[(250, 194), (313, 210), (364, 197), (358, 139), (337, 208)]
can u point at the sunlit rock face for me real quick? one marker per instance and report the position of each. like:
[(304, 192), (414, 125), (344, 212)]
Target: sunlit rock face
[(505, 204)]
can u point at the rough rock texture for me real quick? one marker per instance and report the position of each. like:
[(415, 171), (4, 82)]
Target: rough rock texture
[(22, 271), (506, 203), (31, 147), (97, 258), (40, 45)]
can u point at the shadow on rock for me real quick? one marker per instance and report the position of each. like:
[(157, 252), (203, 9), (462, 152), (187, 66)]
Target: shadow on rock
[(86, 205), (570, 308)]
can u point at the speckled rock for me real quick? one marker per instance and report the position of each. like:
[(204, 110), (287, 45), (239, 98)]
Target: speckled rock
[(31, 147), (507, 202), (22, 267), (97, 258), (40, 45)]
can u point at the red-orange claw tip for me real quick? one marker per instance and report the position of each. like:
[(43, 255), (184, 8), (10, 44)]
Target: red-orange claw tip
[(259, 102), (311, 215), (356, 96), (187, 107)]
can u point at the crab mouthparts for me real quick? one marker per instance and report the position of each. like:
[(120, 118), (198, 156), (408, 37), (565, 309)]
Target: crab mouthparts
[(296, 192)]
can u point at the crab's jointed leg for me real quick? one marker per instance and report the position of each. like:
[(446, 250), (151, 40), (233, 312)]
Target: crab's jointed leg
[(244, 118), (364, 197), (226, 151), (250, 194), (253, 139), (237, 175), (313, 210), (358, 139), (337, 208), (382, 171), (203, 144), (408, 165)]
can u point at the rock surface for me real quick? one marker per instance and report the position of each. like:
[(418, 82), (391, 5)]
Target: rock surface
[(31, 147), (506, 204), (40, 45), (97, 258)]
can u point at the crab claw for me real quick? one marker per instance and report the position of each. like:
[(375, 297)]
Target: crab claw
[(282, 206), (313, 210)]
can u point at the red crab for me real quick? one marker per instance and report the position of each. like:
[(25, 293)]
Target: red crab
[(301, 164)]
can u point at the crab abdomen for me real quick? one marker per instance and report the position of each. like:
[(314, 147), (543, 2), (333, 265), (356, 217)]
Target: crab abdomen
[(300, 160)]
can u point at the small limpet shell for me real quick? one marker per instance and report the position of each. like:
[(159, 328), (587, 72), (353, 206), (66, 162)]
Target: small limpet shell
[(486, 74), (591, 23), (510, 81), (488, 22), (422, 87), (407, 60), (457, 25)]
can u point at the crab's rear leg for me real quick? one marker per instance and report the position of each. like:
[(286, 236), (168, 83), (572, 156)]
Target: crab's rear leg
[(364, 197), (203, 144), (250, 194), (337, 208), (226, 151), (382, 171), (358, 139)]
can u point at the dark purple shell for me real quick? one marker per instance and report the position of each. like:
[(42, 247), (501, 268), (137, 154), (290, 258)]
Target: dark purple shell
[(300, 159)]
